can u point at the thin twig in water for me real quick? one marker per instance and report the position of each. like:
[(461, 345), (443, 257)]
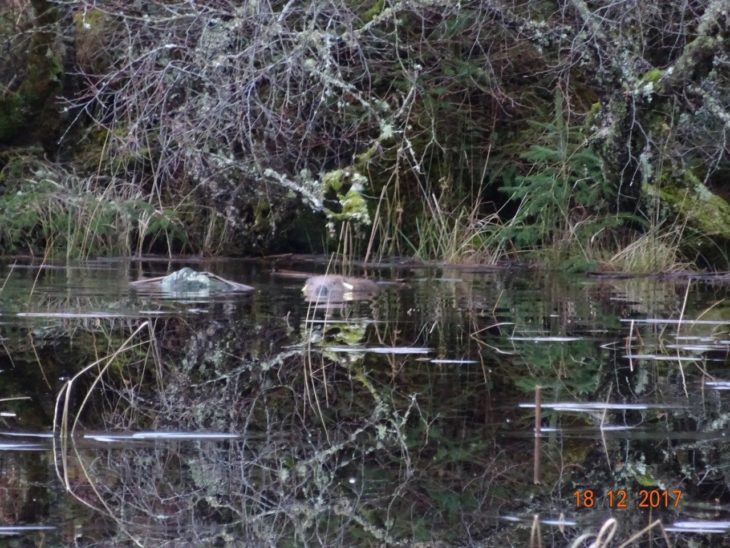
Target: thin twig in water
[(10, 272), (605, 534), (652, 525), (538, 440), (679, 328), (65, 436), (535, 534), (38, 361), (603, 433), (35, 281)]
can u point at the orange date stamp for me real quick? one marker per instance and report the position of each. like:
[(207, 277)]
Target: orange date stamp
[(622, 499)]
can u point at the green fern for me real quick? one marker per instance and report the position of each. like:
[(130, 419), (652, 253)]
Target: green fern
[(562, 181)]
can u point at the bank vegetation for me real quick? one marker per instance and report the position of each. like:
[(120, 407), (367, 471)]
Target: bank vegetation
[(584, 134)]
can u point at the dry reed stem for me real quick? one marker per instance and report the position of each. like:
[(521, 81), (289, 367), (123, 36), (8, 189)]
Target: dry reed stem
[(38, 360), (10, 272), (603, 433), (679, 328), (40, 269), (639, 534), (538, 440), (64, 435), (535, 534)]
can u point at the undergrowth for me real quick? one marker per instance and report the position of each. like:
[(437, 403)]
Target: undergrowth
[(557, 189), (563, 216), (458, 236), (47, 210)]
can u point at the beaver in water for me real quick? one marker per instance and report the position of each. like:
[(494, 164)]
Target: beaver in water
[(331, 287)]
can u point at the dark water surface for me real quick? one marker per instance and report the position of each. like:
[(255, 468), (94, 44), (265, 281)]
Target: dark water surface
[(133, 418)]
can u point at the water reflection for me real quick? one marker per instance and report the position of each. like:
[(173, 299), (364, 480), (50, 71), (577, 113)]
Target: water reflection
[(403, 418)]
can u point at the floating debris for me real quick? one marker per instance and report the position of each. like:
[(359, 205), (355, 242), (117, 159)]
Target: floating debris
[(560, 521), (601, 406), (162, 436), (22, 447), (696, 347), (546, 339), (8, 530), (77, 315), (699, 526), (349, 321), (381, 349), (292, 274), (584, 430), (46, 435), (662, 358), (676, 321)]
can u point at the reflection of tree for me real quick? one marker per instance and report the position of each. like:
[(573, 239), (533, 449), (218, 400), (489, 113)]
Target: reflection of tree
[(354, 448), (327, 450), (343, 447), (14, 491)]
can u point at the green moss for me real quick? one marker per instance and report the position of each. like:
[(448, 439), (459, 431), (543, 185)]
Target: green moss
[(352, 203), (373, 11), (363, 159), (693, 201), (261, 212), (353, 206), (652, 76), (333, 180)]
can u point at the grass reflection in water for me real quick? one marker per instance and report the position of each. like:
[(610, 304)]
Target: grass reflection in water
[(396, 420)]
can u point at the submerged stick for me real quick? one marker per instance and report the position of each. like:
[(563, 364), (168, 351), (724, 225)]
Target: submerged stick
[(679, 327), (538, 422), (535, 535)]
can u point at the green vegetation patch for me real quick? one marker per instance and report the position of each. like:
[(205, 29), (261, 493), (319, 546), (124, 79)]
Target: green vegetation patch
[(47, 210), (695, 202)]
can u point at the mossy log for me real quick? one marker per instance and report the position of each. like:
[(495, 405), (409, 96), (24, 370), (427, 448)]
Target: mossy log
[(690, 199)]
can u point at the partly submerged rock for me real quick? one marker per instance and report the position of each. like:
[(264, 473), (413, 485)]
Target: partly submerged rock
[(333, 288), (187, 280)]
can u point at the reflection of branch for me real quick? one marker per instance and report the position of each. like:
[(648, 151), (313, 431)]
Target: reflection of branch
[(61, 419), (280, 474), (343, 507), (265, 365)]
